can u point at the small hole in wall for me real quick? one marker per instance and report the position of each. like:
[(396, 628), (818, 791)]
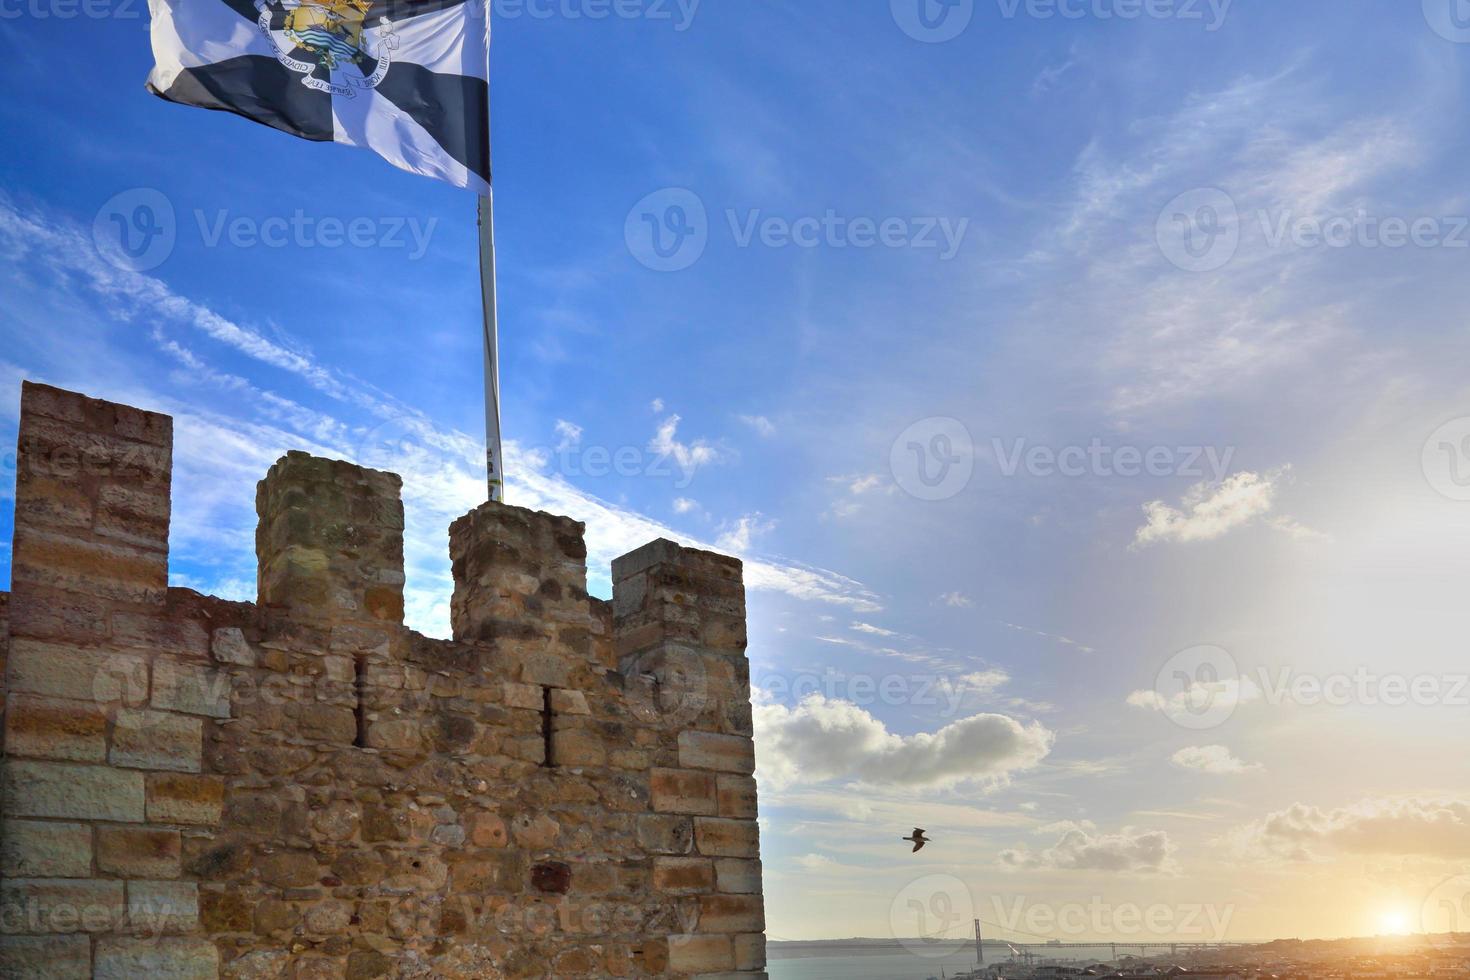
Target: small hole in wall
[(360, 711), (548, 761)]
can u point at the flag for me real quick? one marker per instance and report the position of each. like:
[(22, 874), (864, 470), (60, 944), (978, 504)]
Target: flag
[(407, 79)]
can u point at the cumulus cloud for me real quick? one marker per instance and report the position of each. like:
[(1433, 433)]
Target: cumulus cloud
[(683, 505), (1214, 759), (1082, 848), (1210, 510), (1400, 827), (688, 456), (738, 536), (820, 740), (1229, 692), (569, 434)]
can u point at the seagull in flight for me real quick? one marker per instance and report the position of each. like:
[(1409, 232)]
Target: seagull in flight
[(918, 840)]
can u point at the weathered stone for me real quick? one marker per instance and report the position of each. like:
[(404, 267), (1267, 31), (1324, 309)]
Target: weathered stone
[(731, 913), (737, 796), (665, 834), (51, 728), (683, 791), (718, 837), (191, 689), (156, 959), (329, 795), (92, 676), (229, 647), (157, 740), (182, 798), (46, 957), (159, 907), (684, 876), (139, 852), (722, 753), (31, 849), (46, 789), (738, 877), (701, 954), (750, 952), (63, 905)]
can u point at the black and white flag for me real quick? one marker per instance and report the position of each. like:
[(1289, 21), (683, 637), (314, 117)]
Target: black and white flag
[(407, 79)]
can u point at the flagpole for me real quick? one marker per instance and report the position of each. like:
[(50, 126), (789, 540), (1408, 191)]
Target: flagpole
[(494, 461)]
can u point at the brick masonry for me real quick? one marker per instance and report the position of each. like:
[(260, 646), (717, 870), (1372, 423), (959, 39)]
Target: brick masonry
[(302, 788)]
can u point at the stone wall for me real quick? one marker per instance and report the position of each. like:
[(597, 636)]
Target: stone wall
[(304, 788)]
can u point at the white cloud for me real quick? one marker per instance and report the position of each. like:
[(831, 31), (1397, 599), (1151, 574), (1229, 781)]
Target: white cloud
[(683, 505), (1212, 510), (1227, 692), (871, 629), (1214, 759), (762, 425), (1403, 827), (656, 406), (570, 434), (956, 600), (1054, 637), (1081, 848), (219, 458), (821, 740), (689, 457), (739, 536)]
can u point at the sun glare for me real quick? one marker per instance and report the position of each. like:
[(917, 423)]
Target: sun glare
[(1394, 922)]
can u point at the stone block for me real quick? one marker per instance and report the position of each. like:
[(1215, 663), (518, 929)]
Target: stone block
[(48, 789), (63, 905), (46, 957), (731, 913), (721, 753), (750, 952), (32, 849), (157, 740), (659, 834), (229, 647), (738, 797), (737, 876), (718, 837), (683, 791), (157, 908), (683, 876), (191, 689), (185, 798), (701, 954), (156, 959), (59, 670), (139, 852), (52, 728)]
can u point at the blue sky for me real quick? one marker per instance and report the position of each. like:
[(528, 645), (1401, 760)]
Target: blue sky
[(768, 394)]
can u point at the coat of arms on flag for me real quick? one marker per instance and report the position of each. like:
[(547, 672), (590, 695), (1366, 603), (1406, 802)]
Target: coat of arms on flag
[(407, 79)]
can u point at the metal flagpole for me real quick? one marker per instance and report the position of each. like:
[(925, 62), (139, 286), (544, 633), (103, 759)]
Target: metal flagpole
[(494, 462)]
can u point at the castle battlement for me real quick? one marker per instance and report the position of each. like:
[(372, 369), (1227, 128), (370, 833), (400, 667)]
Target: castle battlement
[(302, 787)]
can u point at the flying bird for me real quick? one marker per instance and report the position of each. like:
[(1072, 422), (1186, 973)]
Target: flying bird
[(918, 840)]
